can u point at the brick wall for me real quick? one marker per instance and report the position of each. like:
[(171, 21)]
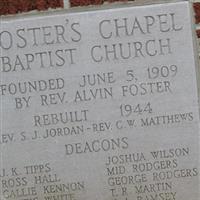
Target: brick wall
[(18, 6)]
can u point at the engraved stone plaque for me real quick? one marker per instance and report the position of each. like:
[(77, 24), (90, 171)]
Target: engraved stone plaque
[(100, 105)]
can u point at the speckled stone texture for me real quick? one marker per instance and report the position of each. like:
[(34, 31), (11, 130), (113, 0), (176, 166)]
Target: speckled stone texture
[(16, 6)]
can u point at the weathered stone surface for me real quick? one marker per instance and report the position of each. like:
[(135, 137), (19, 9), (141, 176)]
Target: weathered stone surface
[(100, 105)]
